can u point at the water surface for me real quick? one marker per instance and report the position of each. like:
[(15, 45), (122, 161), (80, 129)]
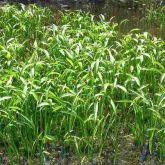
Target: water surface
[(132, 11)]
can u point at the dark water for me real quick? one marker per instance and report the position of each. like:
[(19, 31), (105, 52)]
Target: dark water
[(132, 11)]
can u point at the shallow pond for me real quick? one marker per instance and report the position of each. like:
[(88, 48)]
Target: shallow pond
[(132, 11)]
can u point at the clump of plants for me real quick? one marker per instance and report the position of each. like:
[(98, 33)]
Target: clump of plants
[(156, 15), (77, 84)]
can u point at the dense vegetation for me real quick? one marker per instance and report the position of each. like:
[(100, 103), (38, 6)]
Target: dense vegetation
[(72, 81), (156, 16)]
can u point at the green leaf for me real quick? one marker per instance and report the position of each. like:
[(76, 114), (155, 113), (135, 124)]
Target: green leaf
[(5, 98)]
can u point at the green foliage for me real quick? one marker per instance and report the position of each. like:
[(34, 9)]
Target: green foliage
[(156, 16), (76, 83)]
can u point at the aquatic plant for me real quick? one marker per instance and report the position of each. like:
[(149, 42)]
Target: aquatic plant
[(76, 84)]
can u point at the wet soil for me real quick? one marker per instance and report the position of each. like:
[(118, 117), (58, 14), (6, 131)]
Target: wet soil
[(127, 154)]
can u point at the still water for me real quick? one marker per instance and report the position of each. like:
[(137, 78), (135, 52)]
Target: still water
[(132, 11)]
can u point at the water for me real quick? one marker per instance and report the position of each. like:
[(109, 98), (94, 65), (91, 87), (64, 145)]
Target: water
[(132, 11)]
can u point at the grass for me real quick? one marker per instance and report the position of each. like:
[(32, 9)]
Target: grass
[(156, 18), (157, 15), (74, 82)]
